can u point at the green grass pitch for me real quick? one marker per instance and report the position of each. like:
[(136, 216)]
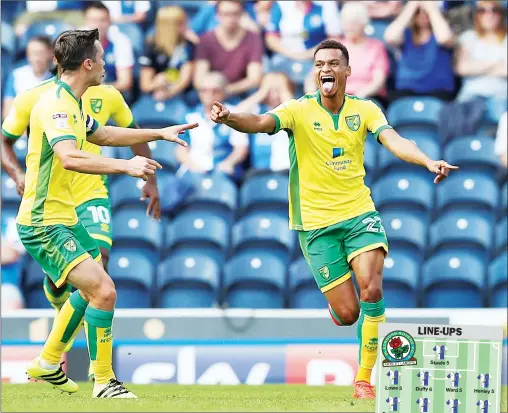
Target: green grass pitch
[(40, 397)]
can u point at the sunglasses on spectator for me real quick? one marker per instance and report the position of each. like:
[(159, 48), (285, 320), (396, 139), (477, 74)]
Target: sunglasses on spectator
[(485, 10)]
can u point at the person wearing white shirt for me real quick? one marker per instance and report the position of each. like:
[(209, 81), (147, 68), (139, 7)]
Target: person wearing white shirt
[(128, 11), (502, 140)]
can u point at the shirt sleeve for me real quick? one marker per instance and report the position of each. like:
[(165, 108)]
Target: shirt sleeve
[(256, 48), (147, 58), (284, 115), (9, 91), (375, 119), (124, 54), (501, 138), (275, 18), (91, 125), (202, 48), (18, 119), (122, 114), (55, 123)]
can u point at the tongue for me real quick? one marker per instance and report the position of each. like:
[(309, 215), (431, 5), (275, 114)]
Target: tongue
[(327, 87)]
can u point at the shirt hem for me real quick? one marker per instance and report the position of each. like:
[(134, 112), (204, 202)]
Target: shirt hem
[(62, 138), (379, 130), (296, 227), (10, 135)]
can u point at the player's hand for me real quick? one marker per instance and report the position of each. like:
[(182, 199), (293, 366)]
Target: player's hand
[(151, 192), (20, 183), (441, 169), (141, 167), (219, 113), (171, 134)]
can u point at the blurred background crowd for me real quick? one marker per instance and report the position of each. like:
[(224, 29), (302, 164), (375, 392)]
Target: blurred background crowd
[(437, 68)]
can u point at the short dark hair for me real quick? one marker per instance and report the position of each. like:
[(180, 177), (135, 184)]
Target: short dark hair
[(240, 2), (95, 5), (73, 47), (333, 44), (45, 40)]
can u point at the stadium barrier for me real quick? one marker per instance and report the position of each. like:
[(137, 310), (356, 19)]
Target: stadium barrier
[(214, 346)]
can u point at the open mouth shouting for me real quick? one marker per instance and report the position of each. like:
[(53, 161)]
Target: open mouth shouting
[(327, 83)]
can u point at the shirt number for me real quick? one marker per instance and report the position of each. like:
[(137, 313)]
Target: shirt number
[(99, 214), (372, 223)]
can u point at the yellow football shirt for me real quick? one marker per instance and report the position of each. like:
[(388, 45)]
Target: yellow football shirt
[(103, 103), (48, 198), (326, 174)]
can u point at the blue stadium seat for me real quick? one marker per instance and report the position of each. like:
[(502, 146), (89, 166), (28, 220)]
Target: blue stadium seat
[(162, 151), (32, 287), (213, 192), (150, 113), (377, 28), (133, 229), (428, 144), (501, 236), (498, 281), (133, 274), (453, 280), (407, 192), (401, 279), (503, 204), (304, 292), (201, 230), (263, 232), (268, 192), (8, 38), (473, 153), (254, 281), (10, 195), (405, 230), (188, 281), (6, 62), (50, 28), (370, 155), (415, 111), (465, 231), (468, 191)]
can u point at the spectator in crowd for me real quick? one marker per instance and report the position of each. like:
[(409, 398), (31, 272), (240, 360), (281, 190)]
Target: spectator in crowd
[(368, 58), (481, 56), (68, 11), (425, 40), (118, 53), (12, 252), (214, 147), (39, 54), (128, 11), (167, 62), (269, 152), (501, 145), (230, 50), (382, 9), (296, 27)]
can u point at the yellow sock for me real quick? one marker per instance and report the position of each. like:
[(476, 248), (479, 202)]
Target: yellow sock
[(65, 328), (98, 328), (372, 315), (56, 301)]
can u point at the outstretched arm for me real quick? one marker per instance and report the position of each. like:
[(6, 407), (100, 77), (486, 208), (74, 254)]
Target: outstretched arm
[(11, 165), (407, 151), (242, 122)]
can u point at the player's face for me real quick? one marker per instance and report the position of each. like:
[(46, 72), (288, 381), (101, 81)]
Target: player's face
[(330, 71), (39, 56), (97, 71)]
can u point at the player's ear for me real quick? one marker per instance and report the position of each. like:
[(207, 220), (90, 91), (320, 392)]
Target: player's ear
[(348, 71)]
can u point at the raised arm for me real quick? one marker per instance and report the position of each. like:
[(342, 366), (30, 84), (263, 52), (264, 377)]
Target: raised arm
[(394, 34), (442, 31), (242, 122), (407, 151)]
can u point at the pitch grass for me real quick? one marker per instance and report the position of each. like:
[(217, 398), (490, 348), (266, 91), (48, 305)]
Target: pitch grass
[(41, 397)]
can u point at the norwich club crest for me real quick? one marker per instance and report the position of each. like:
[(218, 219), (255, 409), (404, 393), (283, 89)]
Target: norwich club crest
[(353, 122), (70, 245), (325, 272), (96, 105), (398, 349)]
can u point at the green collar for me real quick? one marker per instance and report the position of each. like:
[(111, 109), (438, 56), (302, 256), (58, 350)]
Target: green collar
[(335, 116), (65, 86)]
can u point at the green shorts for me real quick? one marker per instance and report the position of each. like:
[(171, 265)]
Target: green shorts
[(95, 215), (328, 251), (58, 248)]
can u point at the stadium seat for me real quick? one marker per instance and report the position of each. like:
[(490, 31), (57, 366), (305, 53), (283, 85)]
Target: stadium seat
[(407, 192), (473, 153), (21, 150), (503, 204), (201, 230), (133, 274), (428, 144), (498, 281), (162, 151), (263, 232), (405, 230), (261, 193), (415, 113), (463, 230), (213, 192), (370, 156), (468, 191), (453, 280), (377, 28), (152, 114), (400, 280), (32, 287), (133, 229), (50, 28), (304, 292), (254, 280), (188, 281), (501, 236), (8, 38), (10, 195)]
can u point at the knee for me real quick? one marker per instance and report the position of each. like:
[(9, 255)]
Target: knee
[(372, 294), (105, 292)]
